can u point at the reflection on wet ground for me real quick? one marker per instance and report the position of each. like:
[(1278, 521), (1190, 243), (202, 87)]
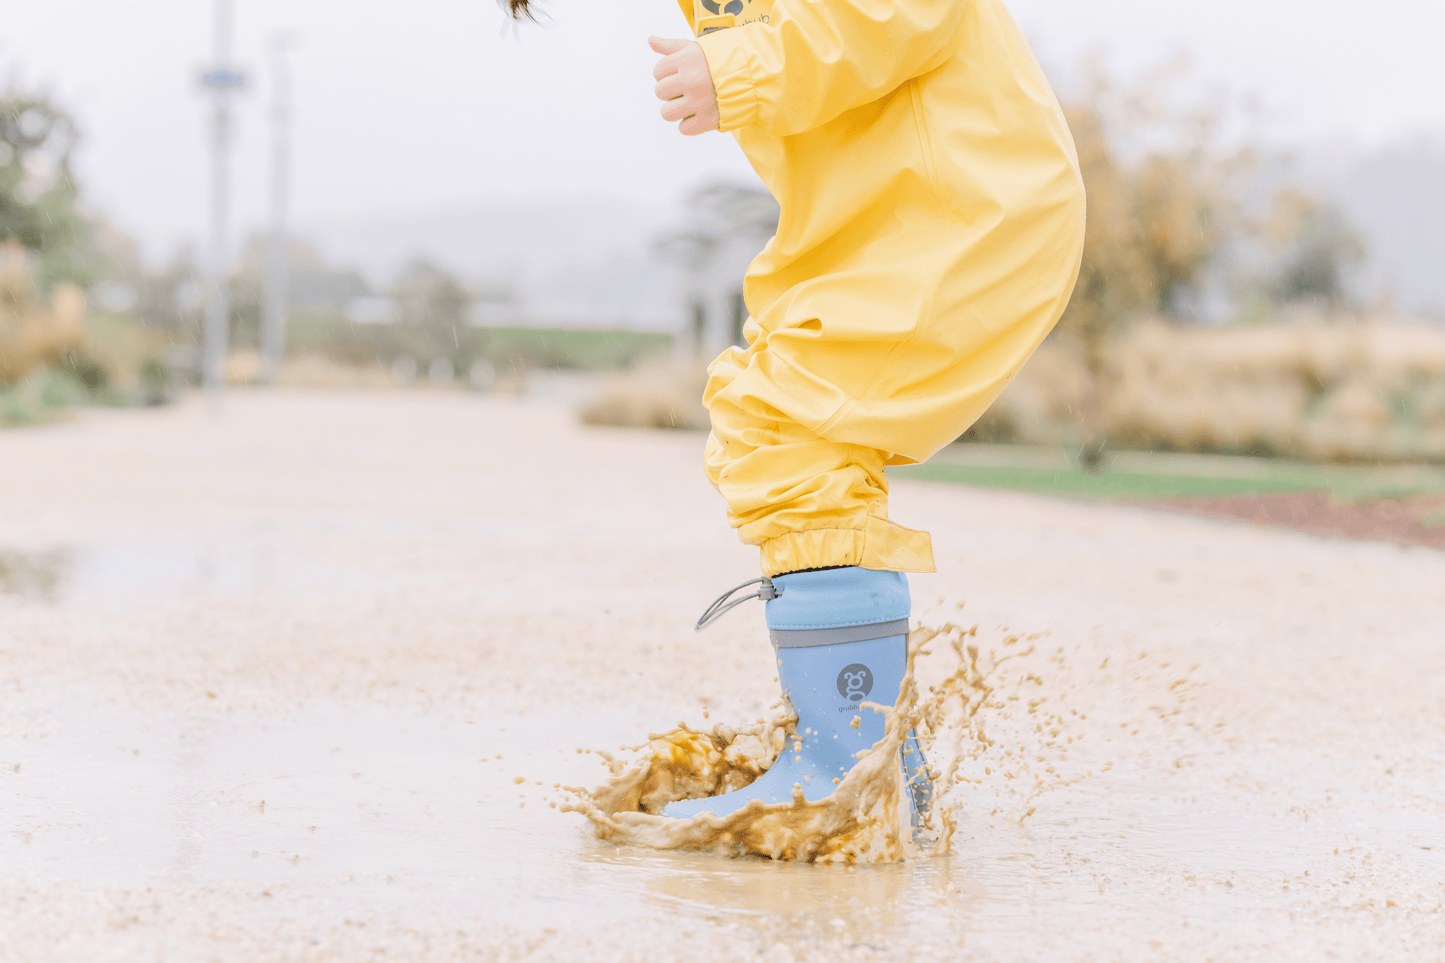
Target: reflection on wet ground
[(259, 560), (162, 569), (34, 575), (422, 806), (446, 817), (383, 810)]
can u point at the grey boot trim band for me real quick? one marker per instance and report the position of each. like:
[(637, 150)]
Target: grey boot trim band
[(800, 638)]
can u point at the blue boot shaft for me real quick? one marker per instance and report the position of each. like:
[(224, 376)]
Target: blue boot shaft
[(836, 600), (841, 637)]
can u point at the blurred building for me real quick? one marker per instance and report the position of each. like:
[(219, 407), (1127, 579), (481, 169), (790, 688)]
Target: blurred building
[(313, 286), (494, 305), (325, 291), (727, 226), (372, 309), (574, 263)]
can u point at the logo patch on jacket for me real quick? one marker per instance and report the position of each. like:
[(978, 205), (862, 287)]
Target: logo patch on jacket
[(746, 11)]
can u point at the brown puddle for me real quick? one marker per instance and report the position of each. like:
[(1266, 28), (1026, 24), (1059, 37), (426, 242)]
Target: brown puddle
[(866, 819)]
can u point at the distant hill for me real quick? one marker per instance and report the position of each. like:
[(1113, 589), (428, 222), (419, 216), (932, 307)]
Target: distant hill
[(1396, 197)]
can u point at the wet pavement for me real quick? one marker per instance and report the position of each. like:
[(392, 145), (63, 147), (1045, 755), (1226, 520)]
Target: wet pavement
[(302, 682)]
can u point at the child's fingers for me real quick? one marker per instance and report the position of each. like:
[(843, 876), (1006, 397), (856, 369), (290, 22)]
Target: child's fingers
[(677, 109), (670, 88), (679, 83), (699, 123), (665, 45), (666, 67)]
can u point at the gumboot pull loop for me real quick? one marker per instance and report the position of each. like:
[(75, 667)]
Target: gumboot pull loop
[(767, 591)]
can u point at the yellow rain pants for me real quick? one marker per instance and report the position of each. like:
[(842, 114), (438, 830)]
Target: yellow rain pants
[(931, 229)]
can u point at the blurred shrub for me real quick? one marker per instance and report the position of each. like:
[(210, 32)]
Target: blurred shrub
[(127, 363), (54, 353), (580, 349), (41, 396), (432, 302), (662, 393), (507, 350), (308, 370), (32, 331), (1312, 389)]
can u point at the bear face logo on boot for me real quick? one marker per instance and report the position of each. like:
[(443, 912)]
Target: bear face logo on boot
[(855, 682)]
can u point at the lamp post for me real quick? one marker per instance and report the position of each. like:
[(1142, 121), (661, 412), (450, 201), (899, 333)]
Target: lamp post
[(273, 335), (222, 80)]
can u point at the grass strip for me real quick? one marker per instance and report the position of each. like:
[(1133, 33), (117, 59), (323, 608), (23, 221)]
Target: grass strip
[(1221, 478)]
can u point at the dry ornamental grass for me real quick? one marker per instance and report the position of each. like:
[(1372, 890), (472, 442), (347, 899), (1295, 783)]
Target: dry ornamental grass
[(1330, 392)]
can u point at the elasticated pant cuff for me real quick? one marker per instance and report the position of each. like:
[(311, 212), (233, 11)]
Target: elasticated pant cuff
[(880, 545)]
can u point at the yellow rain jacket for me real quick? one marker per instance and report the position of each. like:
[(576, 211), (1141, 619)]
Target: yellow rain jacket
[(931, 229)]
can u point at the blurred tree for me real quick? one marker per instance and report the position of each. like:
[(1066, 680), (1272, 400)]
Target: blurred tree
[(314, 287), (435, 303), (1161, 199), (53, 250), (1316, 248), (165, 300), (37, 194), (170, 299)]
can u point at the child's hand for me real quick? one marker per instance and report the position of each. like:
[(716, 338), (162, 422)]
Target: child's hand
[(684, 81)]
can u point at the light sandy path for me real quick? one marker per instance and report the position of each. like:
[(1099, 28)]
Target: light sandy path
[(267, 682)]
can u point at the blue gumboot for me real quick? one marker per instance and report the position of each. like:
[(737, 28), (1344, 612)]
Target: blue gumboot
[(841, 637)]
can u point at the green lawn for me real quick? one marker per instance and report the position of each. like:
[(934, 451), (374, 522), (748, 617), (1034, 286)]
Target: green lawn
[(584, 349), (1144, 476)]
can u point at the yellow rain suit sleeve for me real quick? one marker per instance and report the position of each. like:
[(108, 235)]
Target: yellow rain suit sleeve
[(815, 59)]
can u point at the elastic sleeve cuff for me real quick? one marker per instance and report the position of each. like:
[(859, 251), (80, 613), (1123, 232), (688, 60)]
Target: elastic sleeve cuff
[(732, 77)]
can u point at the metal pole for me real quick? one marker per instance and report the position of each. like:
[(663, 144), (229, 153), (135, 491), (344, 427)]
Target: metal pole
[(218, 302), (273, 341)]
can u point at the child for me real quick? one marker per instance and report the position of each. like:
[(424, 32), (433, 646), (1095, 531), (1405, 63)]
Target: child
[(931, 229)]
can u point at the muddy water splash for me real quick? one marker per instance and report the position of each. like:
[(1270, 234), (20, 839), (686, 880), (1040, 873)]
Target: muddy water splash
[(866, 818)]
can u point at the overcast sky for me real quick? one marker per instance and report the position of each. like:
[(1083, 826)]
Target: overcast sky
[(403, 107)]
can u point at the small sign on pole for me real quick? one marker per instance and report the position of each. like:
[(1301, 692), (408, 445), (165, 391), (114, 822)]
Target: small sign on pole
[(222, 79)]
